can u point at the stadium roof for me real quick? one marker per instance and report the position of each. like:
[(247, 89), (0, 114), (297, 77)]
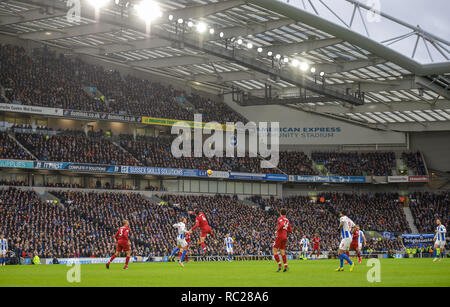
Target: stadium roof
[(259, 43)]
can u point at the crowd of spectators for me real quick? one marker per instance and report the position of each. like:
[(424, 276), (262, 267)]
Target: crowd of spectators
[(9, 149), (75, 146), (427, 207), (356, 164), (61, 82), (83, 223), (415, 162)]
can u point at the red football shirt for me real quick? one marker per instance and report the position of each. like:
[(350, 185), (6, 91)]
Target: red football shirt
[(355, 238), (316, 241), (283, 227), (122, 234), (201, 222)]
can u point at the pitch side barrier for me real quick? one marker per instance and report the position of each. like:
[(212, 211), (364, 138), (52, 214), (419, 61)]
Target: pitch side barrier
[(193, 173)]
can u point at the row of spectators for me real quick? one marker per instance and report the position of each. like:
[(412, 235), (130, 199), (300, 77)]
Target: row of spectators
[(356, 164), (84, 223), (58, 82), (96, 148), (415, 162)]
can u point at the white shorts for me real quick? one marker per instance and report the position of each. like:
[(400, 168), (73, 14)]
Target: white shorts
[(345, 244), (230, 250), (3, 252), (360, 246), (304, 249), (181, 243), (440, 244)]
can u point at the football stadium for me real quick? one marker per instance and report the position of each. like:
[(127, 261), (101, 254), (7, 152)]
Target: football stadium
[(232, 143)]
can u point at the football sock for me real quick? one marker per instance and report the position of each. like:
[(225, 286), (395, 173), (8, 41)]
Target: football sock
[(359, 255), (174, 252), (204, 247), (179, 255), (346, 257), (277, 259), (112, 258), (442, 254), (341, 260), (183, 255), (435, 253), (126, 260), (284, 260), (229, 256)]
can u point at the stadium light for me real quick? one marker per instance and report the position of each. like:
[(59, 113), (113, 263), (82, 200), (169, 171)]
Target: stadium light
[(249, 45), (201, 27), (239, 41), (295, 63), (286, 60), (313, 69), (190, 24), (170, 17), (269, 53), (260, 50), (278, 56), (180, 20), (221, 34), (304, 66), (98, 3), (148, 10), (322, 74), (211, 31)]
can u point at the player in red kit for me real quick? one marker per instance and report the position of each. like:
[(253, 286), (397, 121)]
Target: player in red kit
[(283, 228), (202, 223), (316, 245), (123, 244), (355, 238)]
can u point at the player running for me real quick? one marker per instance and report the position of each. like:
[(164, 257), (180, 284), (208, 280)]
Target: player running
[(439, 240), (316, 245), (202, 223), (361, 242), (283, 228), (229, 242), (304, 243), (123, 244), (345, 226), (3, 249), (181, 241)]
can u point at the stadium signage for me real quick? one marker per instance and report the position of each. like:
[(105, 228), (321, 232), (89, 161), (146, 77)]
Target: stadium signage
[(30, 109), (417, 239), (418, 178), (89, 260), (398, 179), (16, 164), (330, 179), (77, 167), (101, 116), (186, 123)]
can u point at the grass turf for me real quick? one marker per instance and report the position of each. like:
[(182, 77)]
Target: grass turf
[(394, 272)]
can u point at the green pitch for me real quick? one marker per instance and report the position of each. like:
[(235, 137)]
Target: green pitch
[(394, 272)]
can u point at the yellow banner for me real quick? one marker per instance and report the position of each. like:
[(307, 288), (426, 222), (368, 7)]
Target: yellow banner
[(185, 123)]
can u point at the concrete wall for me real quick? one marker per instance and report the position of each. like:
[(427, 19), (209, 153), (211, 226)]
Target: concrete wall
[(435, 147)]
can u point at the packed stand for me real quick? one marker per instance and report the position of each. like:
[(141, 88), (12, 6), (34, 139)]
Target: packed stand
[(427, 207), (75, 146), (415, 162), (9, 149), (356, 164)]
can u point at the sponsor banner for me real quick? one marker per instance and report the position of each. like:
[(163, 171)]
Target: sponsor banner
[(30, 109), (417, 239), (185, 123), (158, 171), (329, 179), (388, 235), (16, 163), (276, 177), (397, 178), (101, 116), (215, 174), (418, 178), (90, 260), (247, 176), (77, 167)]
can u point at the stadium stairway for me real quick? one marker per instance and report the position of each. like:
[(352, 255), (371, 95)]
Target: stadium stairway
[(45, 196), (11, 135), (410, 219)]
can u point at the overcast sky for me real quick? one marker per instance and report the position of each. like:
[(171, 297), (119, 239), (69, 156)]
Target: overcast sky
[(432, 15)]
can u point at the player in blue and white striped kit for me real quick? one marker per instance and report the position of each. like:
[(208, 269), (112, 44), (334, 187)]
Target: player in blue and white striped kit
[(345, 227), (3, 249), (181, 241), (439, 240), (229, 242)]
